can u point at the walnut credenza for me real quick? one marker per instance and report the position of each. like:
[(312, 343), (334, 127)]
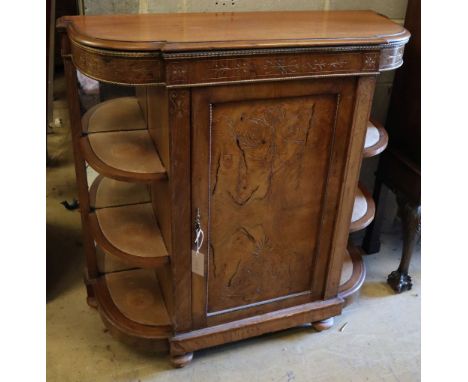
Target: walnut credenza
[(226, 188)]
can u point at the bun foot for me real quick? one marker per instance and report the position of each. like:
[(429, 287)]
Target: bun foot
[(179, 361), (90, 297), (323, 324), (92, 302), (399, 281)]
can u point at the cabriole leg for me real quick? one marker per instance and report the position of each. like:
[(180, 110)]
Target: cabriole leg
[(371, 242), (410, 214)]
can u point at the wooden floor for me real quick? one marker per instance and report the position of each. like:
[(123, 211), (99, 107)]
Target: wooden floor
[(376, 339)]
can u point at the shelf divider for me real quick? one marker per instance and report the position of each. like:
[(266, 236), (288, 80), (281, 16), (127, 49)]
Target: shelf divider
[(107, 192)]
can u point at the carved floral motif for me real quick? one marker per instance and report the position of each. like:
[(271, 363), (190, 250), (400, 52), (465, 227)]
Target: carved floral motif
[(268, 139), (320, 66), (225, 69), (178, 73), (178, 103), (281, 66), (370, 61)]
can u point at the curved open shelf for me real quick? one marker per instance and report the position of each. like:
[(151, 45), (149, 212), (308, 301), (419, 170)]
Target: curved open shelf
[(131, 303), (118, 114), (376, 139), (117, 143), (353, 274), (363, 210), (130, 233), (123, 155), (107, 192)]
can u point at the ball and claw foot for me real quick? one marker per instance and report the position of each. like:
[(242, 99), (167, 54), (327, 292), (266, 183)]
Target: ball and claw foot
[(179, 361), (323, 324), (399, 281)]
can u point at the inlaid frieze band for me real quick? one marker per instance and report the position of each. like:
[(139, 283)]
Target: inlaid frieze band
[(392, 57), (126, 68), (263, 67)]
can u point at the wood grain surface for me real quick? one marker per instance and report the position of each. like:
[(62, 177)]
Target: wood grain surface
[(194, 31), (264, 159), (136, 293), (118, 114), (249, 126), (130, 233), (265, 210)]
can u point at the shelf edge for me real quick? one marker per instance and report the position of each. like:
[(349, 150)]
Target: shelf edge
[(115, 320), (106, 245), (365, 220), (111, 172), (380, 145)]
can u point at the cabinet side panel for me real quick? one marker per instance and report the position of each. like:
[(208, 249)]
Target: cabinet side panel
[(164, 274), (161, 199), (169, 197), (157, 114), (333, 192), (141, 95), (158, 125)]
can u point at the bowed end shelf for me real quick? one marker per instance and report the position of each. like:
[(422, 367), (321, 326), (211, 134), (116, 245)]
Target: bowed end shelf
[(228, 185)]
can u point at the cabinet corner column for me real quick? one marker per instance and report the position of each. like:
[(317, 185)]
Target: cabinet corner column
[(91, 271), (362, 107), (179, 107)]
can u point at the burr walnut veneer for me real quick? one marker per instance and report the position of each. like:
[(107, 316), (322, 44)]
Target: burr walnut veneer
[(228, 185)]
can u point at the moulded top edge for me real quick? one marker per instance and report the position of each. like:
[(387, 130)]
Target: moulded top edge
[(240, 30)]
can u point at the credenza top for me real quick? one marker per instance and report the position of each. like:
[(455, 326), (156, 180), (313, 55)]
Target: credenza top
[(174, 32)]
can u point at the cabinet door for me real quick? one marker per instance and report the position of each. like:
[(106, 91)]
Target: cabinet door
[(267, 169)]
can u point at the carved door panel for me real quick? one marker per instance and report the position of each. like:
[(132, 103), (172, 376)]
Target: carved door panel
[(267, 161)]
